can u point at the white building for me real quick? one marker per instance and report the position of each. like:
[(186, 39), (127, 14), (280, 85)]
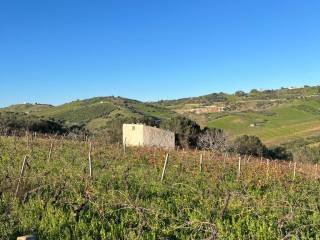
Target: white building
[(142, 135)]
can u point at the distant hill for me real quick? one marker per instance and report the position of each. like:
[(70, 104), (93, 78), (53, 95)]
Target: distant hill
[(234, 101), (27, 108), (95, 113), (277, 124), (276, 116)]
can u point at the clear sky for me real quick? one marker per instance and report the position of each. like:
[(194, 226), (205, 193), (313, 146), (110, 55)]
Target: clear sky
[(54, 51)]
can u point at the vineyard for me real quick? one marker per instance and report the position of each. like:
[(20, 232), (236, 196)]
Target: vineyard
[(58, 188)]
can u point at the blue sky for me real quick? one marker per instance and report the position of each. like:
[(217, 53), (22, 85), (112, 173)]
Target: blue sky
[(55, 51)]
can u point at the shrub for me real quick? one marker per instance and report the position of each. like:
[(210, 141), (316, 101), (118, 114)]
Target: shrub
[(212, 139), (252, 145), (279, 153), (249, 145), (186, 130), (20, 122)]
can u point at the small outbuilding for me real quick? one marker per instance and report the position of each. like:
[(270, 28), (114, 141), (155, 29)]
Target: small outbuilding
[(142, 135)]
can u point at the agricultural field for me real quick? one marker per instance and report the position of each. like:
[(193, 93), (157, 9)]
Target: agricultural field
[(56, 195), (276, 116), (300, 118)]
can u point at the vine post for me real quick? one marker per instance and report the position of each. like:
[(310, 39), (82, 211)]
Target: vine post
[(164, 167)]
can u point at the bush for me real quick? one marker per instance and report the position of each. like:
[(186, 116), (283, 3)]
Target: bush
[(212, 139), (186, 130), (252, 145), (279, 153), (20, 122), (249, 145)]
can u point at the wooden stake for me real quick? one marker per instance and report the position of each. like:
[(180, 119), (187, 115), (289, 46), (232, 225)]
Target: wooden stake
[(124, 145), (268, 163), (201, 162), (23, 167), (239, 168), (50, 152), (89, 159), (28, 140), (164, 166), (294, 170), (316, 171)]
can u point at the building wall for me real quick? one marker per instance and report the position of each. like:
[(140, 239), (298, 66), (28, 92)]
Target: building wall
[(141, 135), (155, 137), (132, 134)]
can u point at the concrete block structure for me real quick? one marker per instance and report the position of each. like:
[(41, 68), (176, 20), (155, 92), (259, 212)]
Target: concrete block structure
[(142, 135)]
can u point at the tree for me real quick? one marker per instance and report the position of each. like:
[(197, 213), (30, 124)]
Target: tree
[(212, 139), (240, 94), (186, 131), (254, 91)]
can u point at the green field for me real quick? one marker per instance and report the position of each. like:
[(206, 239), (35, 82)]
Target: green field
[(279, 124), (279, 115), (125, 199)]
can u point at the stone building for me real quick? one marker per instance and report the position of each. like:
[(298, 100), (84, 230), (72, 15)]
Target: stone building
[(142, 135)]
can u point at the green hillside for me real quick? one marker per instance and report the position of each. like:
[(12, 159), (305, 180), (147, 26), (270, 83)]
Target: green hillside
[(300, 118), (95, 113), (233, 100), (276, 116), (27, 108)]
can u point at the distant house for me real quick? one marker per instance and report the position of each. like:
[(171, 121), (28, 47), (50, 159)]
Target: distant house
[(142, 135)]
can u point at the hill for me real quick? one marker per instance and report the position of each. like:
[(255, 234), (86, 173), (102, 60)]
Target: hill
[(236, 100), (278, 124), (95, 113), (276, 116), (27, 108)]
